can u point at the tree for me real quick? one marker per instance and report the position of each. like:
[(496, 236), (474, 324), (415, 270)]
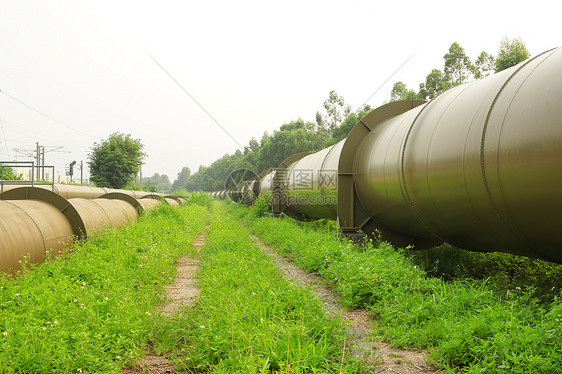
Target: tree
[(401, 92), (9, 174), (435, 83), (114, 162), (343, 130), (149, 186), (157, 182), (457, 65), (336, 111), (181, 180), (484, 65), (399, 89), (511, 53)]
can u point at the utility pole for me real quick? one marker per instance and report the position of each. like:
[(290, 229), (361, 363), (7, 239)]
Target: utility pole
[(43, 163), (71, 170), (38, 161), (81, 171)]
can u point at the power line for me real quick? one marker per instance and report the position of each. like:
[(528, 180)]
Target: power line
[(195, 101), (386, 81), (46, 115), (5, 141), (31, 134)]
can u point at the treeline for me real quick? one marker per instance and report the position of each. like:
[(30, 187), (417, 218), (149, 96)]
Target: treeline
[(336, 119), (332, 125), (458, 68)]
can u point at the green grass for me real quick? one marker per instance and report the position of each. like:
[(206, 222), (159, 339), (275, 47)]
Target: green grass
[(467, 325), (93, 310), (249, 319), (96, 309)]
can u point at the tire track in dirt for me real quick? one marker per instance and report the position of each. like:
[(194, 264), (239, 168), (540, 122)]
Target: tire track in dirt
[(182, 292), (378, 355)]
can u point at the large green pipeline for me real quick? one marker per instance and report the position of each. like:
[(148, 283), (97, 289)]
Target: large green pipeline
[(480, 166), (307, 184)]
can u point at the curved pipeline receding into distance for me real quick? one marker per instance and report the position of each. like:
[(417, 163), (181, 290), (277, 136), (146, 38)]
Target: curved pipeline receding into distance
[(479, 166), (36, 220)]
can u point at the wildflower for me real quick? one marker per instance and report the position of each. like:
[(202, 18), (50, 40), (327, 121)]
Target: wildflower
[(5, 333), (57, 322), (202, 326), (79, 370), (83, 283), (17, 294), (148, 313), (253, 293), (118, 356), (75, 300), (517, 288)]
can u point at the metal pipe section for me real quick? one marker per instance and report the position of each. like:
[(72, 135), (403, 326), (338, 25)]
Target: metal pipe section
[(480, 166), (30, 228), (309, 185), (266, 185), (70, 191), (35, 220)]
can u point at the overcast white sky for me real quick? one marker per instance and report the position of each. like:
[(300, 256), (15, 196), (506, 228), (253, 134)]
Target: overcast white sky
[(253, 65)]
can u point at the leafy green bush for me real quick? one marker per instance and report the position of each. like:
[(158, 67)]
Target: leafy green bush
[(200, 198), (260, 207), (9, 174)]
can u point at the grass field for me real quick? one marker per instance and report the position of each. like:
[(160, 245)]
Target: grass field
[(93, 311), (467, 324), (249, 319), (96, 309)]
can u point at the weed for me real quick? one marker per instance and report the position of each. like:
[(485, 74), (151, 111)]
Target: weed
[(260, 207)]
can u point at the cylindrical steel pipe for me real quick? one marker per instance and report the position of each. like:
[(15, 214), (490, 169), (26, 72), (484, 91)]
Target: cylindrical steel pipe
[(30, 228), (35, 220), (480, 166), (310, 184)]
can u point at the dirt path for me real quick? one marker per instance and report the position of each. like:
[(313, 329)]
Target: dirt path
[(381, 356), (181, 292)]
